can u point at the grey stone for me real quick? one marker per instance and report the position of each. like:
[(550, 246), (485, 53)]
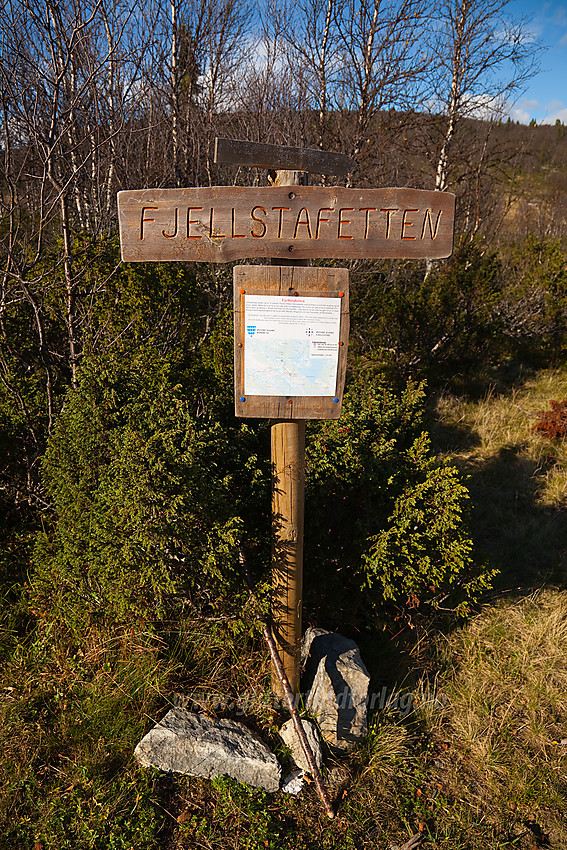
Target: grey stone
[(185, 742), (337, 680), (317, 644), (290, 738)]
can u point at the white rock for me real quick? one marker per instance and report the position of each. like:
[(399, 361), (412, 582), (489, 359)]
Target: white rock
[(293, 784), (189, 743), (338, 687), (289, 736)]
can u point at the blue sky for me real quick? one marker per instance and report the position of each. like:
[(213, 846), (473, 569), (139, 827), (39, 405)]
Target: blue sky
[(546, 96)]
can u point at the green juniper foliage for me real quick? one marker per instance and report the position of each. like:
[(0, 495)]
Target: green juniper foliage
[(148, 498), (430, 325), (534, 303), (384, 520), (133, 589), (126, 481)]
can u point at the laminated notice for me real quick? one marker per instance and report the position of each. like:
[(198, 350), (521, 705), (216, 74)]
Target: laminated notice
[(291, 345)]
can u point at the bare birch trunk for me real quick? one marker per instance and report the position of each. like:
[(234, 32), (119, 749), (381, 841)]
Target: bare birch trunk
[(175, 94)]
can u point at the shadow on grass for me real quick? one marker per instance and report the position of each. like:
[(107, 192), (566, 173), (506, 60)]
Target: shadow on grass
[(511, 528), (524, 539)]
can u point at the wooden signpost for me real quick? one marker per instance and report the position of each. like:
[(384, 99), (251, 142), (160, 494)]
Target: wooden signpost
[(290, 321), (291, 327), (282, 157)]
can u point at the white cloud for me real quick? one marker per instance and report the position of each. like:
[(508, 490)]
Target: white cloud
[(532, 105), (547, 114), (483, 106), (550, 14), (551, 23), (523, 110), (559, 16), (554, 106), (558, 115), (519, 115), (516, 34)]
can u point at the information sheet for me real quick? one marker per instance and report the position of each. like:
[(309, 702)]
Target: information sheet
[(291, 345)]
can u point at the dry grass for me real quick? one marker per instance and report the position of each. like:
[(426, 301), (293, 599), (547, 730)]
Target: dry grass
[(502, 737), (517, 477), (479, 764), (71, 714), (495, 714), (504, 423)]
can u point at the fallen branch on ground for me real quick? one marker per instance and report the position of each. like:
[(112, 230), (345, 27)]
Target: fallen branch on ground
[(289, 696)]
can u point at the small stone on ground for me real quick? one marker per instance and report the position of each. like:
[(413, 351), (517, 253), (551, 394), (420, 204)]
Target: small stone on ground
[(293, 784), (290, 738)]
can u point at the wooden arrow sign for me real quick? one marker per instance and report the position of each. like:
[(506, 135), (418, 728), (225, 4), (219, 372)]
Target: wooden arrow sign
[(282, 157), (226, 223)]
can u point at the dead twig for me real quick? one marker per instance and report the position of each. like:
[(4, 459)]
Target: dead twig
[(414, 842), (288, 696)]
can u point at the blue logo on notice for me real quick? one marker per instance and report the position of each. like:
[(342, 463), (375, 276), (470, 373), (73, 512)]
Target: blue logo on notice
[(251, 329)]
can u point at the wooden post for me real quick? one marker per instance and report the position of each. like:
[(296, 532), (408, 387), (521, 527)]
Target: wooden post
[(288, 499), (288, 507), (221, 224), (288, 409), (287, 167)]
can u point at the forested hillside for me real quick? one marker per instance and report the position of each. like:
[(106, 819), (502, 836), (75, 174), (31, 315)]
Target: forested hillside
[(125, 479)]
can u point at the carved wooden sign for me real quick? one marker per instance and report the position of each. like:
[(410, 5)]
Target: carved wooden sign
[(226, 223)]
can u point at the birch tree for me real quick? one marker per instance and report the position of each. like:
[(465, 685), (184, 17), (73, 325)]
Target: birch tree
[(66, 89), (272, 94), (313, 39), (381, 61), (481, 60)]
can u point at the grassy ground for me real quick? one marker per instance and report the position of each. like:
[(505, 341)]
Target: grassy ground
[(479, 762), (517, 478)]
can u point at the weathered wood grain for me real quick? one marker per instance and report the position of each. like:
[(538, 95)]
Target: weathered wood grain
[(282, 157), (283, 280), (226, 223), (288, 497)]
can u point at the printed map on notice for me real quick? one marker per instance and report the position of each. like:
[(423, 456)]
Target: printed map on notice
[(291, 345)]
